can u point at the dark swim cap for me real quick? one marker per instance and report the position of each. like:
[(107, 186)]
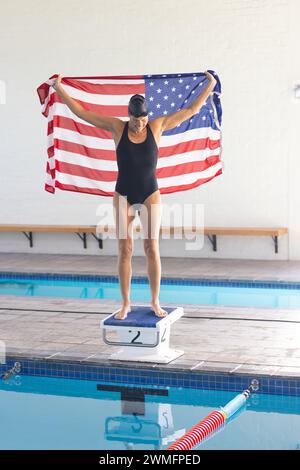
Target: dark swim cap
[(137, 106)]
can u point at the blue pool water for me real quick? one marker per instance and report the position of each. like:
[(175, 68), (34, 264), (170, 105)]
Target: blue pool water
[(251, 294), (57, 413)]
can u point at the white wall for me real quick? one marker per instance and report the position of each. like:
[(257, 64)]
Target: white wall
[(252, 45)]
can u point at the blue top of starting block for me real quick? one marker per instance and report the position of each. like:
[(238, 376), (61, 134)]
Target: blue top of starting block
[(139, 316)]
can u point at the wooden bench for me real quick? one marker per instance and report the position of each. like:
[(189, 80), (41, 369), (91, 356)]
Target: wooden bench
[(212, 232), (28, 230), (274, 233), (83, 230)]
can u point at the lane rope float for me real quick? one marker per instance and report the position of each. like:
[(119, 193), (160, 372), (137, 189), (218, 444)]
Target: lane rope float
[(214, 420)]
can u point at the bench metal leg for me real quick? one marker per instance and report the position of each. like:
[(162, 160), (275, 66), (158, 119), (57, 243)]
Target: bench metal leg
[(99, 240), (30, 238), (213, 241), (83, 238), (275, 240)]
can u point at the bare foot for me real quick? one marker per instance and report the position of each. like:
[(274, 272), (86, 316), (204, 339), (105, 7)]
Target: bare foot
[(159, 312), (122, 313)]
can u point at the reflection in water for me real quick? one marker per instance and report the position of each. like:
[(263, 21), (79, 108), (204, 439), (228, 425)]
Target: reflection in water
[(155, 428), (139, 424)]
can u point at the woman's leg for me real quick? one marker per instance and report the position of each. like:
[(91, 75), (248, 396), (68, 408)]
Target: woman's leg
[(125, 245), (150, 215)]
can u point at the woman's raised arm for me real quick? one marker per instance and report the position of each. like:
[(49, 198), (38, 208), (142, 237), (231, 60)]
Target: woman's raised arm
[(103, 122)]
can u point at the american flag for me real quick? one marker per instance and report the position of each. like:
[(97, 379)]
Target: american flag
[(82, 158)]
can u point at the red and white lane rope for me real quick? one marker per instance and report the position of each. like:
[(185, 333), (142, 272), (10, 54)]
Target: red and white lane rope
[(213, 421)]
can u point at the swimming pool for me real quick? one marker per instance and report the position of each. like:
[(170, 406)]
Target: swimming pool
[(42, 412), (197, 292)]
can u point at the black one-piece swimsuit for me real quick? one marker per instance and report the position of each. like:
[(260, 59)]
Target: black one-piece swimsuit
[(137, 167)]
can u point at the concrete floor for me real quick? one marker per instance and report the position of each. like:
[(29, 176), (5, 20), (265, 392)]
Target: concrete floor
[(214, 338)]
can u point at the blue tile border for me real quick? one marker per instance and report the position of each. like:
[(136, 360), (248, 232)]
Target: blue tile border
[(153, 376), (142, 279)]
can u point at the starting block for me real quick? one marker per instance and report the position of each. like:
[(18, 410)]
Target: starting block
[(143, 336)]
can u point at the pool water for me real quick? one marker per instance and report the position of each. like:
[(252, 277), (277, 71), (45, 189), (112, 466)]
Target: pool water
[(56, 413), (209, 293)]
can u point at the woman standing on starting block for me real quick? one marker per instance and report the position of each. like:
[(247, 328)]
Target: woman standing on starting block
[(137, 143)]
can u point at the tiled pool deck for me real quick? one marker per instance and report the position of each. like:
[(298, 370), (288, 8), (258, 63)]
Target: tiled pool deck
[(217, 339)]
